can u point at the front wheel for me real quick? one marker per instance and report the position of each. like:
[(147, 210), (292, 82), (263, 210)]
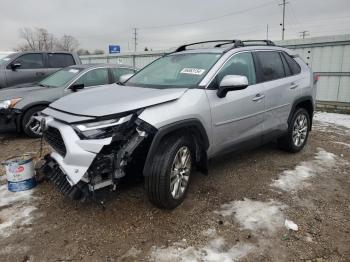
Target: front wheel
[(171, 169), (32, 127), (298, 132)]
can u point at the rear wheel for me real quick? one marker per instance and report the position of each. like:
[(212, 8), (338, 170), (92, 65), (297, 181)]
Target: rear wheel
[(298, 132), (171, 169), (33, 129)]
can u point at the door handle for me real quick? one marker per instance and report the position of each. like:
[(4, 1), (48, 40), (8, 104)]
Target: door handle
[(40, 73), (258, 97), (293, 85)]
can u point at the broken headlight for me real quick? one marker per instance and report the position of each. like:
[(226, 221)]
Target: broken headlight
[(99, 129)]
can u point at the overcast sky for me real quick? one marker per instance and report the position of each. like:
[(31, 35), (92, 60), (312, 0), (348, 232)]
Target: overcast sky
[(167, 23)]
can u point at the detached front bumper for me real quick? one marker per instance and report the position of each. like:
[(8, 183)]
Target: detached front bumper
[(73, 155), (9, 118)]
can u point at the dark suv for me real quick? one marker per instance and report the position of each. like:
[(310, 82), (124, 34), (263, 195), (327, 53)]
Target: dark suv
[(28, 67)]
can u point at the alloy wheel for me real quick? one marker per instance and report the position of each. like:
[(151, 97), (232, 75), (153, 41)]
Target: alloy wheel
[(180, 172)]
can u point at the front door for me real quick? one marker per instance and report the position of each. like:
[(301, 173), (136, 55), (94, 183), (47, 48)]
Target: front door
[(31, 69), (238, 117)]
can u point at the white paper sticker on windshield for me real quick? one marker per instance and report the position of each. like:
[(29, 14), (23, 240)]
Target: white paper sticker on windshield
[(74, 71), (192, 71), (6, 59)]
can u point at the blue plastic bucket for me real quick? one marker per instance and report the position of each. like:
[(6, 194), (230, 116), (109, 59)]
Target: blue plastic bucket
[(20, 173)]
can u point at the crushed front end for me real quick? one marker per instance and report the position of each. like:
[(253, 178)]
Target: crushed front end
[(94, 153)]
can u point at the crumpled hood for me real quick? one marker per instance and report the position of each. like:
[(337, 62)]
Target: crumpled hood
[(15, 92), (114, 99)]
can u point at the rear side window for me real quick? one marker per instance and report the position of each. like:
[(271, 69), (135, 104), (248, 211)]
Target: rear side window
[(271, 65), (60, 60), (286, 66), (30, 61), (293, 65), (118, 72)]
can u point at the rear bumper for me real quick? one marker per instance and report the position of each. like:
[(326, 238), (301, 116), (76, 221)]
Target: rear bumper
[(10, 118)]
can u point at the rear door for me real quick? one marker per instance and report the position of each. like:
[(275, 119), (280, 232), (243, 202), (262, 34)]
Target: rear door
[(238, 117), (32, 69), (281, 88)]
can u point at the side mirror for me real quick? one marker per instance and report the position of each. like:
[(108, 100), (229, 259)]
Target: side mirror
[(15, 65), (232, 83), (76, 87), (124, 78)]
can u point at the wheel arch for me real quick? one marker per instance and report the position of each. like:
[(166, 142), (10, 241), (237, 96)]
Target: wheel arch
[(307, 103), (192, 127)]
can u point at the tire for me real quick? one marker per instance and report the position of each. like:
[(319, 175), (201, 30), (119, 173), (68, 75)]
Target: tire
[(298, 132), (30, 130), (161, 178)]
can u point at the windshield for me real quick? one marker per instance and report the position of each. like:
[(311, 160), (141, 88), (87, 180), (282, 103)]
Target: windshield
[(180, 70), (4, 58), (61, 77)]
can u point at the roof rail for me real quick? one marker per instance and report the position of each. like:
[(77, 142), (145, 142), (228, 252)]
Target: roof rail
[(267, 42), (226, 42), (236, 43)]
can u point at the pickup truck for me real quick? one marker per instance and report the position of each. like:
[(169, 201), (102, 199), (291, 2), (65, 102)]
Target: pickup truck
[(29, 67)]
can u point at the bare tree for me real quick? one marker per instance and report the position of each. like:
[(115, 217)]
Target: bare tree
[(39, 39), (68, 43), (30, 40)]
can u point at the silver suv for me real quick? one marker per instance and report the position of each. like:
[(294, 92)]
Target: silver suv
[(175, 114)]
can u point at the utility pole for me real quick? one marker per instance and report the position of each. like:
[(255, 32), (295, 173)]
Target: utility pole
[(283, 18), (303, 34), (135, 38), (267, 32)]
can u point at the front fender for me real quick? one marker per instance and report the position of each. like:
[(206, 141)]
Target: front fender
[(165, 130)]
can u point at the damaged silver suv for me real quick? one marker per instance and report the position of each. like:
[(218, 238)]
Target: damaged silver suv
[(175, 114)]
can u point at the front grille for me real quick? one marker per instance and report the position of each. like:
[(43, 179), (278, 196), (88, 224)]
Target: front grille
[(55, 175), (53, 137)]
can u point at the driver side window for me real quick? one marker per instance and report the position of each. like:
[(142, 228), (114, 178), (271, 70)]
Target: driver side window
[(240, 64), (94, 77)]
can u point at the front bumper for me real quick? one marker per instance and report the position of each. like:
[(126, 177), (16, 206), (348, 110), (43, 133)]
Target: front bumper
[(9, 118), (78, 154)]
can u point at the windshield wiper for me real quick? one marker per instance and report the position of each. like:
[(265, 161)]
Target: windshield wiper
[(43, 85), (120, 83)]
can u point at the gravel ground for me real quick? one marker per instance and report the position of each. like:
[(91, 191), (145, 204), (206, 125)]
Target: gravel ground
[(237, 212)]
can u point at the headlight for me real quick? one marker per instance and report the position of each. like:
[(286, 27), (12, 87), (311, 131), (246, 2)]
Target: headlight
[(9, 103), (100, 129), (97, 125)]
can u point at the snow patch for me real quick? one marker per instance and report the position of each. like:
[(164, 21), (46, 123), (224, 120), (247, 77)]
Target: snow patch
[(333, 118), (291, 180), (255, 215), (210, 232), (216, 251), (15, 210), (132, 252)]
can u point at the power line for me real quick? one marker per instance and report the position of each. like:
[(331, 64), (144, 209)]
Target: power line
[(304, 33), (284, 3), (212, 18)]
